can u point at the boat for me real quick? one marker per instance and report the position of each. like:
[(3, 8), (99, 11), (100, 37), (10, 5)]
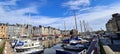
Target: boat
[(27, 46), (77, 47), (66, 40), (13, 40), (80, 40), (61, 51), (74, 42)]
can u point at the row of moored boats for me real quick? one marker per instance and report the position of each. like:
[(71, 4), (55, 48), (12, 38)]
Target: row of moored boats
[(25, 45)]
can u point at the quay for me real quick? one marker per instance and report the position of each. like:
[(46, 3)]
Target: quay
[(7, 48)]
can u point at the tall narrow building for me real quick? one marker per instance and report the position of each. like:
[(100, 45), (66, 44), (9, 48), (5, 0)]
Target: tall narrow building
[(3, 30)]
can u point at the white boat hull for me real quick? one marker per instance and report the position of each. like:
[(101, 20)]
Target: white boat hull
[(31, 51)]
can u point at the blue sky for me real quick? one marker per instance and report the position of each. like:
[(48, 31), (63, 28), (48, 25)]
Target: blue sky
[(55, 12)]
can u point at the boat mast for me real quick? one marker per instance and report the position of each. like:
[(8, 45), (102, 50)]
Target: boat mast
[(22, 29), (81, 27), (30, 30), (28, 21), (75, 21), (91, 30), (84, 24), (23, 26), (29, 17), (88, 27), (65, 27)]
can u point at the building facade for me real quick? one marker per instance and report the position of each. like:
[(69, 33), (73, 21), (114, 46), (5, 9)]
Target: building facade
[(113, 25), (28, 30), (42, 30), (3, 30), (9, 30), (14, 30), (36, 31)]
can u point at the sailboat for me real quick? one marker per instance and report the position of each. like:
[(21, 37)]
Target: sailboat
[(73, 44), (26, 45)]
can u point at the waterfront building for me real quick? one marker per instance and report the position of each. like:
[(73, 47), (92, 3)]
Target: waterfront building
[(57, 32), (28, 30), (36, 31), (113, 25), (15, 30), (3, 30), (53, 31), (42, 30), (10, 30), (25, 29), (18, 29), (45, 30), (50, 31)]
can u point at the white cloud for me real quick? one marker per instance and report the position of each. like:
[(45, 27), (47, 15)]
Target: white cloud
[(75, 4), (9, 2), (96, 17)]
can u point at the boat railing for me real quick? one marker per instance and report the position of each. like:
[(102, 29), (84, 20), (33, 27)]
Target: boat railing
[(93, 48)]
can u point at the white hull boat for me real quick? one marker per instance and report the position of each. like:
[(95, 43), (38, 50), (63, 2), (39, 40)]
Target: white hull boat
[(26, 46)]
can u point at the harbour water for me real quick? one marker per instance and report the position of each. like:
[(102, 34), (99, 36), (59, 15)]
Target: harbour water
[(53, 49)]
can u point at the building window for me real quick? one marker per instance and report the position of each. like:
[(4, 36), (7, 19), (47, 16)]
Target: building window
[(2, 27)]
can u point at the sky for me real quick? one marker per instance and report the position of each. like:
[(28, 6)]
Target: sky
[(54, 12)]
